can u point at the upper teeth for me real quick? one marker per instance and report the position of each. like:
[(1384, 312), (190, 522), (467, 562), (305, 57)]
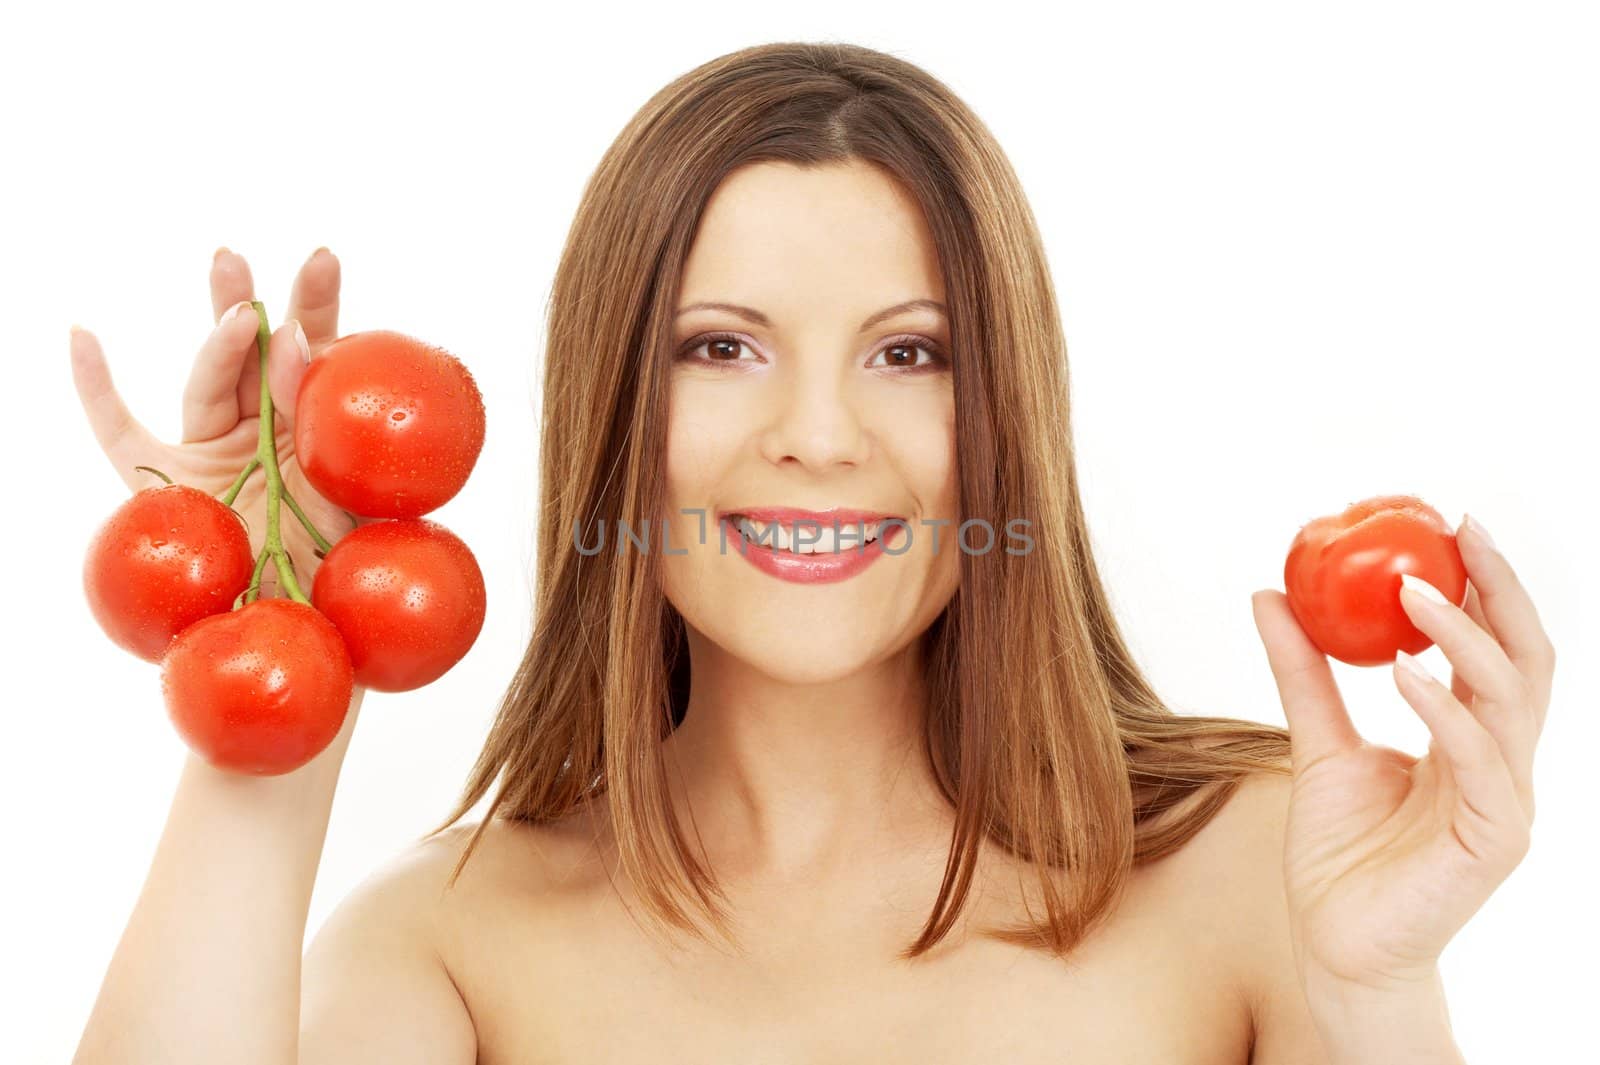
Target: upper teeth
[(812, 537)]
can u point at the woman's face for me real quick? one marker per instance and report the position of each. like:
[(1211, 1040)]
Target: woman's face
[(820, 392)]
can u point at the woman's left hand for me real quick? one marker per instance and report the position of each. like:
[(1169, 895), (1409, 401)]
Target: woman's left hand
[(1387, 855)]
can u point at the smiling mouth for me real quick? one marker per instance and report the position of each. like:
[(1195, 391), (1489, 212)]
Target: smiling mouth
[(805, 536)]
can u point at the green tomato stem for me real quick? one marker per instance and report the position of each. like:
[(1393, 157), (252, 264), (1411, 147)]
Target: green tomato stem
[(323, 547), (244, 475), (267, 458), (249, 594)]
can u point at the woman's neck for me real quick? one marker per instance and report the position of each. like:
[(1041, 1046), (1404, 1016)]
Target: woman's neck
[(792, 783)]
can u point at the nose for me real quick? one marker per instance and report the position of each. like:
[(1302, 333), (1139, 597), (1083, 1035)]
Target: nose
[(815, 423)]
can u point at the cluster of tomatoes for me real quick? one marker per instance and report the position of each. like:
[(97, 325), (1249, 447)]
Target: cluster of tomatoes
[(386, 427)]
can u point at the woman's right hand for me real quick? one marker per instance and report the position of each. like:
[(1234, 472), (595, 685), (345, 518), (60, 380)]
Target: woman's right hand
[(222, 407)]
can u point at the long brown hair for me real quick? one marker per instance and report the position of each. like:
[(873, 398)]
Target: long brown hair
[(1043, 732)]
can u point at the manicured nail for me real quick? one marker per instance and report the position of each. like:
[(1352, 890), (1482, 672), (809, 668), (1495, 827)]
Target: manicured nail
[(300, 341), (1412, 666), (232, 313), (1423, 588), (1478, 530)]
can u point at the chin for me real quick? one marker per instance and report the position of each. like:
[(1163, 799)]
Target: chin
[(806, 655)]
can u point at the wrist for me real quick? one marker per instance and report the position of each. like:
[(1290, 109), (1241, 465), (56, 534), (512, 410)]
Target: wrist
[(1403, 1021)]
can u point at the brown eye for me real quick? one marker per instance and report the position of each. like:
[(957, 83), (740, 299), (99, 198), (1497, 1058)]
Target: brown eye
[(902, 354), (720, 348)]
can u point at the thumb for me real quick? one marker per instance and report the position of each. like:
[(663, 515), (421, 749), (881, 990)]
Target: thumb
[(1319, 724), (121, 436)]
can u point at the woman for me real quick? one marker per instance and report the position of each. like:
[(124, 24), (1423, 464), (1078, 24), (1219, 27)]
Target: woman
[(770, 792)]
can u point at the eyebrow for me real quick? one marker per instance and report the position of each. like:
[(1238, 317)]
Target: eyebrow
[(753, 315)]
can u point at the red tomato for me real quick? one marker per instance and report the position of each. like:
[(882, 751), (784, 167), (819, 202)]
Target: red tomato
[(259, 690), (166, 558), (1342, 576), (408, 598), (387, 426)]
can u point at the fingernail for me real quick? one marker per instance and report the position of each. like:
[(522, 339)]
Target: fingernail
[(1478, 530), (219, 253), (1412, 666), (300, 340), (1423, 588), (318, 252), (232, 313)]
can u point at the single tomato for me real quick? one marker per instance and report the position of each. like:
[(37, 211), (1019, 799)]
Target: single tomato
[(408, 598), (1342, 576), (258, 690), (387, 426), (166, 558)]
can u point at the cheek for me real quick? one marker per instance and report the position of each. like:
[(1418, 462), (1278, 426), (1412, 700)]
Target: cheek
[(697, 445), (701, 448), (917, 430), (919, 434)]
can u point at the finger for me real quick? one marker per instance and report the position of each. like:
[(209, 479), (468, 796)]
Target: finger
[(211, 404), (288, 356), (1510, 613), (231, 282), (1319, 724), (1495, 820), (1473, 608), (1499, 695), (314, 299), (124, 440)]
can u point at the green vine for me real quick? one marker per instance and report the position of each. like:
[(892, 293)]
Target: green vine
[(266, 458)]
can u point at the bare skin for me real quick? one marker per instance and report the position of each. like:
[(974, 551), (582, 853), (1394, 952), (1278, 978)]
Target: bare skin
[(797, 763), (1193, 969)]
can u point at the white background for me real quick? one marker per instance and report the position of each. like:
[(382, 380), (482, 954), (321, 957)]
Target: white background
[(1304, 255)]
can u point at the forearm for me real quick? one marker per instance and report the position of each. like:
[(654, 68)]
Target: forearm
[(208, 968), (1405, 1025)]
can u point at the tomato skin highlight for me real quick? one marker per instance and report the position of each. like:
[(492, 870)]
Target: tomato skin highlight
[(408, 598), (260, 690), (1342, 576), (387, 426), (164, 559)]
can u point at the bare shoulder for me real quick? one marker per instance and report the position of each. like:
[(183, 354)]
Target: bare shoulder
[(1241, 851), (381, 981), (1233, 864), (1230, 863), (410, 886), (373, 986), (1250, 825)]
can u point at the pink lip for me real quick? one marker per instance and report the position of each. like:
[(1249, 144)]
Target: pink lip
[(789, 515), (806, 569)]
